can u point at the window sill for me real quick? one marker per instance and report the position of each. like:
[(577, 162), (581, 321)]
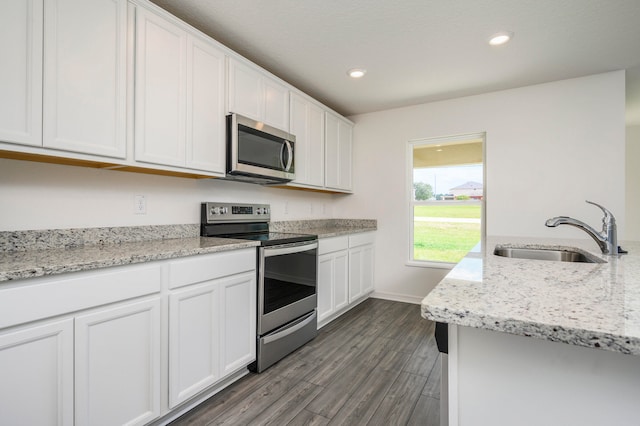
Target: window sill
[(432, 265)]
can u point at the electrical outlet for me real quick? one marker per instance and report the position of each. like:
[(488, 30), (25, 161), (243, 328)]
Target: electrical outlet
[(286, 207), (140, 204)]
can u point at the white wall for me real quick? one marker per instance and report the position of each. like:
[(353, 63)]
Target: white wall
[(633, 183), (548, 148), (48, 196)]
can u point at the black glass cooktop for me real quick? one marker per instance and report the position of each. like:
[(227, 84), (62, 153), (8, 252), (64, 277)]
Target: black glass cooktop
[(273, 238)]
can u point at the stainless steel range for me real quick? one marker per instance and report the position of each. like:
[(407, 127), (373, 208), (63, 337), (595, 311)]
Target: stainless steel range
[(287, 276)]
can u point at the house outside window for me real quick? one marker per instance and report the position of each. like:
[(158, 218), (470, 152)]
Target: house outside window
[(446, 199)]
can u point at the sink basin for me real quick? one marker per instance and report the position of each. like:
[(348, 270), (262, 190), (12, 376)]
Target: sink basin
[(558, 255)]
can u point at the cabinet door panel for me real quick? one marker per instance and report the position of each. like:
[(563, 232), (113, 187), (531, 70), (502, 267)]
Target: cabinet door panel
[(36, 366), (118, 365), (338, 146), (21, 71), (84, 74), (325, 286), (206, 126), (160, 134), (307, 124), (341, 279), (194, 341), (276, 104), (367, 269), (355, 273), (238, 341), (245, 91)]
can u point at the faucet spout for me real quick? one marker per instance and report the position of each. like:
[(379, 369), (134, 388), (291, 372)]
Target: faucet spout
[(607, 239)]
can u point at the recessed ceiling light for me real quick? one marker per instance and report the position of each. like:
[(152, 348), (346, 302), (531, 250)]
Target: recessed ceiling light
[(500, 38), (356, 72)]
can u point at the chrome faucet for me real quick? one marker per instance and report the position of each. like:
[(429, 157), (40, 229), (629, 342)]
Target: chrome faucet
[(607, 239)]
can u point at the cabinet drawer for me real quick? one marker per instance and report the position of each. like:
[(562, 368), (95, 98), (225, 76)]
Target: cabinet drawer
[(328, 245), (362, 239), (201, 268), (39, 298)]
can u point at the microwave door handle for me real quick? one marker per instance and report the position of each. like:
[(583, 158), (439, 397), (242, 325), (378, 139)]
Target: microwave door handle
[(287, 144)]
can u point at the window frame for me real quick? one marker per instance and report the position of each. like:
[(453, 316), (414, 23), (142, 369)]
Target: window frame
[(411, 203)]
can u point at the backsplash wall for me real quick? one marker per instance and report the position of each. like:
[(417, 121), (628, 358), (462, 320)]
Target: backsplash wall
[(49, 196)]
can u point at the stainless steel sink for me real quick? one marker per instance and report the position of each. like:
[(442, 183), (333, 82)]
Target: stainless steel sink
[(558, 255)]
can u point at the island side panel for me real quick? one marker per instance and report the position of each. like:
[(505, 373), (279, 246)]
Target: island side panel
[(502, 379)]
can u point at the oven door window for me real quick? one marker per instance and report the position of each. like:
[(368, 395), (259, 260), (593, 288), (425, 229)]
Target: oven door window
[(289, 278)]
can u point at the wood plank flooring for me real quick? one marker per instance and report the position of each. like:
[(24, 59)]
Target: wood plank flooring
[(378, 364)]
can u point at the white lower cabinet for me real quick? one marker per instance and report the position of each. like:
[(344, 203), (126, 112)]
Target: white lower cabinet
[(194, 336), (238, 325), (333, 276), (36, 366), (212, 320), (361, 252), (345, 273), (117, 375), (128, 344)]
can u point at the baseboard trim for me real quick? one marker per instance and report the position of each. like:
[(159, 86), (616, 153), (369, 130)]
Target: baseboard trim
[(416, 300)]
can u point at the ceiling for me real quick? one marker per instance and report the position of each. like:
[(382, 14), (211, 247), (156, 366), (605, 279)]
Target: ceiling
[(418, 51)]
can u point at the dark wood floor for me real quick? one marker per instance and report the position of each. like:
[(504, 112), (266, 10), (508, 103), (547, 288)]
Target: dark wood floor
[(376, 365)]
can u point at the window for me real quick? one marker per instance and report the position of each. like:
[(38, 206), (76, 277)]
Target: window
[(446, 199)]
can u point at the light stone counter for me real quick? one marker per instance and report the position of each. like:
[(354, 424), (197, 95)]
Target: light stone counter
[(36, 263), (36, 253), (326, 228), (593, 305)]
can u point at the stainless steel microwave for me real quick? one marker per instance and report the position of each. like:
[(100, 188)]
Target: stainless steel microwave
[(258, 153)]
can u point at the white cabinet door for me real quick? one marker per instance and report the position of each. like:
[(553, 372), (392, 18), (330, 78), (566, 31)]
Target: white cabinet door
[(307, 124), (355, 272), (238, 313), (160, 94), (257, 96), (360, 271), (205, 107), (276, 104), (194, 341), (245, 90), (367, 269), (117, 379), (341, 280), (85, 76), (21, 71), (36, 366), (325, 286), (333, 283), (179, 99), (338, 146)]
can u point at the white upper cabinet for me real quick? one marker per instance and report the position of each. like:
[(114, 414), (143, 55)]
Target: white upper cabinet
[(307, 124), (256, 95), (85, 76), (179, 96), (21, 71), (338, 152), (205, 107), (161, 92)]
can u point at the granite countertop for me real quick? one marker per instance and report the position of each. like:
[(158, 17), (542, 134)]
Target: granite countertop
[(37, 263), (595, 305), (30, 254), (326, 228)]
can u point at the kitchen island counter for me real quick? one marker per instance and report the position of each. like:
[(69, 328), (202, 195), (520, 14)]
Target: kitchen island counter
[(593, 305)]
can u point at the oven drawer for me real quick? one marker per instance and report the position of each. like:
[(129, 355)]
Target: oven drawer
[(279, 343)]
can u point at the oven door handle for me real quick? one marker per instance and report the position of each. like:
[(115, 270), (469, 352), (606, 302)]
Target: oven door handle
[(294, 248), (303, 322)]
